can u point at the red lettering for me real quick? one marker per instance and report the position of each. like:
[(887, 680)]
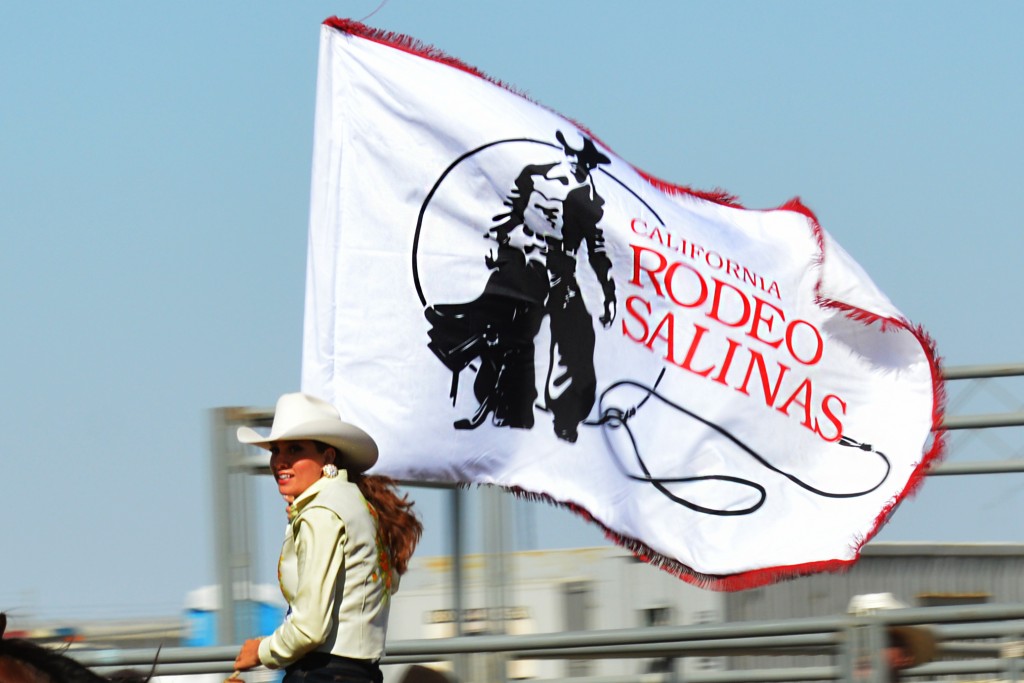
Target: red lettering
[(732, 268), (671, 289), (758, 318), (638, 253), (827, 409), (819, 344), (669, 324), (751, 278), (758, 360), (802, 392), (716, 304), (692, 351), (720, 377), (631, 303)]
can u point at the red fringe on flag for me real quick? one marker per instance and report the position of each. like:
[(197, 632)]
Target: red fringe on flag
[(757, 577)]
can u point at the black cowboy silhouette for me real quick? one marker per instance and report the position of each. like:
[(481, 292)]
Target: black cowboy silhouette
[(553, 209)]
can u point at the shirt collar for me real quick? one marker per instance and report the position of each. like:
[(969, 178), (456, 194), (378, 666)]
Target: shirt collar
[(316, 487)]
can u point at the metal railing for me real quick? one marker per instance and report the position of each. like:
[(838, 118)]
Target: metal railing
[(975, 640)]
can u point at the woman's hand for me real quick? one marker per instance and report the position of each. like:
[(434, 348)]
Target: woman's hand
[(249, 655)]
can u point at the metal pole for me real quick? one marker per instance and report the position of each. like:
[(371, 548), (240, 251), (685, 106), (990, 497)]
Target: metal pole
[(458, 580), (494, 546), (984, 421), (983, 371), (977, 467), (222, 525)]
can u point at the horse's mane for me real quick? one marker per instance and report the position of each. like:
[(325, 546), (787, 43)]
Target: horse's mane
[(53, 663)]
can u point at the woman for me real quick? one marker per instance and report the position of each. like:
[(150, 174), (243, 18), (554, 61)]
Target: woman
[(349, 538)]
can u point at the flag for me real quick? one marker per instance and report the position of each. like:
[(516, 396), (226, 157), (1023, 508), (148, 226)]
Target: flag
[(498, 298)]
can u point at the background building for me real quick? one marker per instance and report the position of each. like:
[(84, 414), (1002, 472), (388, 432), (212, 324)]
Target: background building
[(553, 592)]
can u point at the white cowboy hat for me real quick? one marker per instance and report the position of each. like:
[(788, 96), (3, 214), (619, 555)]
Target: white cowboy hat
[(301, 416)]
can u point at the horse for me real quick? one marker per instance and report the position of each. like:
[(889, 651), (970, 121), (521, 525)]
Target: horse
[(22, 661)]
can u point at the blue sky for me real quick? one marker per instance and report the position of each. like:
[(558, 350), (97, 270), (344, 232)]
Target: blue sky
[(154, 197)]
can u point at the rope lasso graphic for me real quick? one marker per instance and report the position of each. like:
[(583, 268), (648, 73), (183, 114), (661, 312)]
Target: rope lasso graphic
[(613, 418)]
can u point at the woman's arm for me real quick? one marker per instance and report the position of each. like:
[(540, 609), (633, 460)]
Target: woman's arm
[(248, 656), (320, 552)]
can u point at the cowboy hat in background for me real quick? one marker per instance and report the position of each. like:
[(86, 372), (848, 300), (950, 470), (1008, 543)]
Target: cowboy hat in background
[(299, 417), (917, 642)]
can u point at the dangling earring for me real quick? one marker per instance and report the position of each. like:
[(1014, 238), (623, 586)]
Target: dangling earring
[(330, 471)]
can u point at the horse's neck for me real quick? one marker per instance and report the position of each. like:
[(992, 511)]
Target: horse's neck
[(31, 663), (15, 671)]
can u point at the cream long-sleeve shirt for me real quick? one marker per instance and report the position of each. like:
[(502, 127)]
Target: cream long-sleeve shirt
[(335, 576)]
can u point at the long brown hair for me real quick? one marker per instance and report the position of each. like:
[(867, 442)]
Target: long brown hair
[(400, 528)]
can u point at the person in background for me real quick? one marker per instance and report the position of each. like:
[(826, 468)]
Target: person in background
[(349, 539), (906, 646)]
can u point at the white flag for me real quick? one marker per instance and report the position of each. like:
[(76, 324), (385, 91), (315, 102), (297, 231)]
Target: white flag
[(498, 298)]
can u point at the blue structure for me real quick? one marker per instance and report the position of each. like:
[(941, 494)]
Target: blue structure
[(257, 615)]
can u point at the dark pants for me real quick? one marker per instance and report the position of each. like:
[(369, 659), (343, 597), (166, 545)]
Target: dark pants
[(320, 667), (572, 382)]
